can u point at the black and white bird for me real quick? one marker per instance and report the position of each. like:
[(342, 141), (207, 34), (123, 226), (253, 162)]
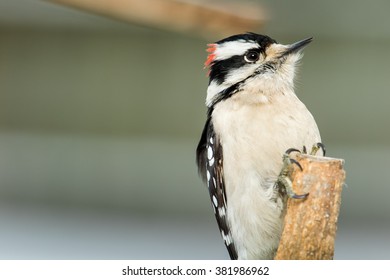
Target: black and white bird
[(253, 118)]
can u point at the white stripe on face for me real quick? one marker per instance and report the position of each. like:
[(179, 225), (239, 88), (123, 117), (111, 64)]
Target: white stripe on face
[(229, 49)]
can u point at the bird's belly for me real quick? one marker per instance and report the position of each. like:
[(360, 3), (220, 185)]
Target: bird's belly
[(252, 161)]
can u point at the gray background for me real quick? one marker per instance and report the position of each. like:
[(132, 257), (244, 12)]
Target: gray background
[(99, 121)]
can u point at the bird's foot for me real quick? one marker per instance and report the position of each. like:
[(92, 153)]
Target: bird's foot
[(284, 178), (316, 147)]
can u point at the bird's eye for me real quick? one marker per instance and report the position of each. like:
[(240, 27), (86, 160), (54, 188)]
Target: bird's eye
[(251, 56)]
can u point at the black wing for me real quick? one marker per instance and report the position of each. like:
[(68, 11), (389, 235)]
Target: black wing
[(209, 159)]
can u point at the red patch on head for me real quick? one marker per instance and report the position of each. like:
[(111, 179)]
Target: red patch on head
[(210, 58)]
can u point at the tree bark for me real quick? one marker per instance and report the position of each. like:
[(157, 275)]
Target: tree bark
[(310, 224)]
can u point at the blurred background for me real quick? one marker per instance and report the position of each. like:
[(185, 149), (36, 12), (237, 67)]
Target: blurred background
[(102, 106)]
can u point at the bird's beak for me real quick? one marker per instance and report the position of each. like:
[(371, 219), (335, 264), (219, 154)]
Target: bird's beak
[(296, 47)]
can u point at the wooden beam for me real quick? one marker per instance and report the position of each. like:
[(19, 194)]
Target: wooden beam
[(310, 224), (205, 18)]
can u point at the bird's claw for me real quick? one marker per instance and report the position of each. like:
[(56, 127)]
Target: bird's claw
[(322, 147), (289, 151), (284, 180), (293, 161), (314, 149)]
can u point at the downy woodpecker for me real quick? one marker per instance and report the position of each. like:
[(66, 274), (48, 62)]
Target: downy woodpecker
[(253, 118)]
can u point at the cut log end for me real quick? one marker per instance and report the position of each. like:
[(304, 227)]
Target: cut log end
[(310, 224)]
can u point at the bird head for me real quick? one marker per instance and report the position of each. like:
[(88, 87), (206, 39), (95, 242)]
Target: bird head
[(252, 62)]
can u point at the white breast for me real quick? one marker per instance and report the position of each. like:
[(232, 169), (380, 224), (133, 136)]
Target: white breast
[(255, 130)]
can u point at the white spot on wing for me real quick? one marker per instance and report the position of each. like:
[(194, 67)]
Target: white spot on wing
[(215, 201), (211, 162), (221, 211), (208, 175), (209, 152), (226, 237), (211, 140)]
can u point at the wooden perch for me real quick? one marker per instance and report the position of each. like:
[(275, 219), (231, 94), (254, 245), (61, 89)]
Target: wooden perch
[(310, 224), (207, 18)]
